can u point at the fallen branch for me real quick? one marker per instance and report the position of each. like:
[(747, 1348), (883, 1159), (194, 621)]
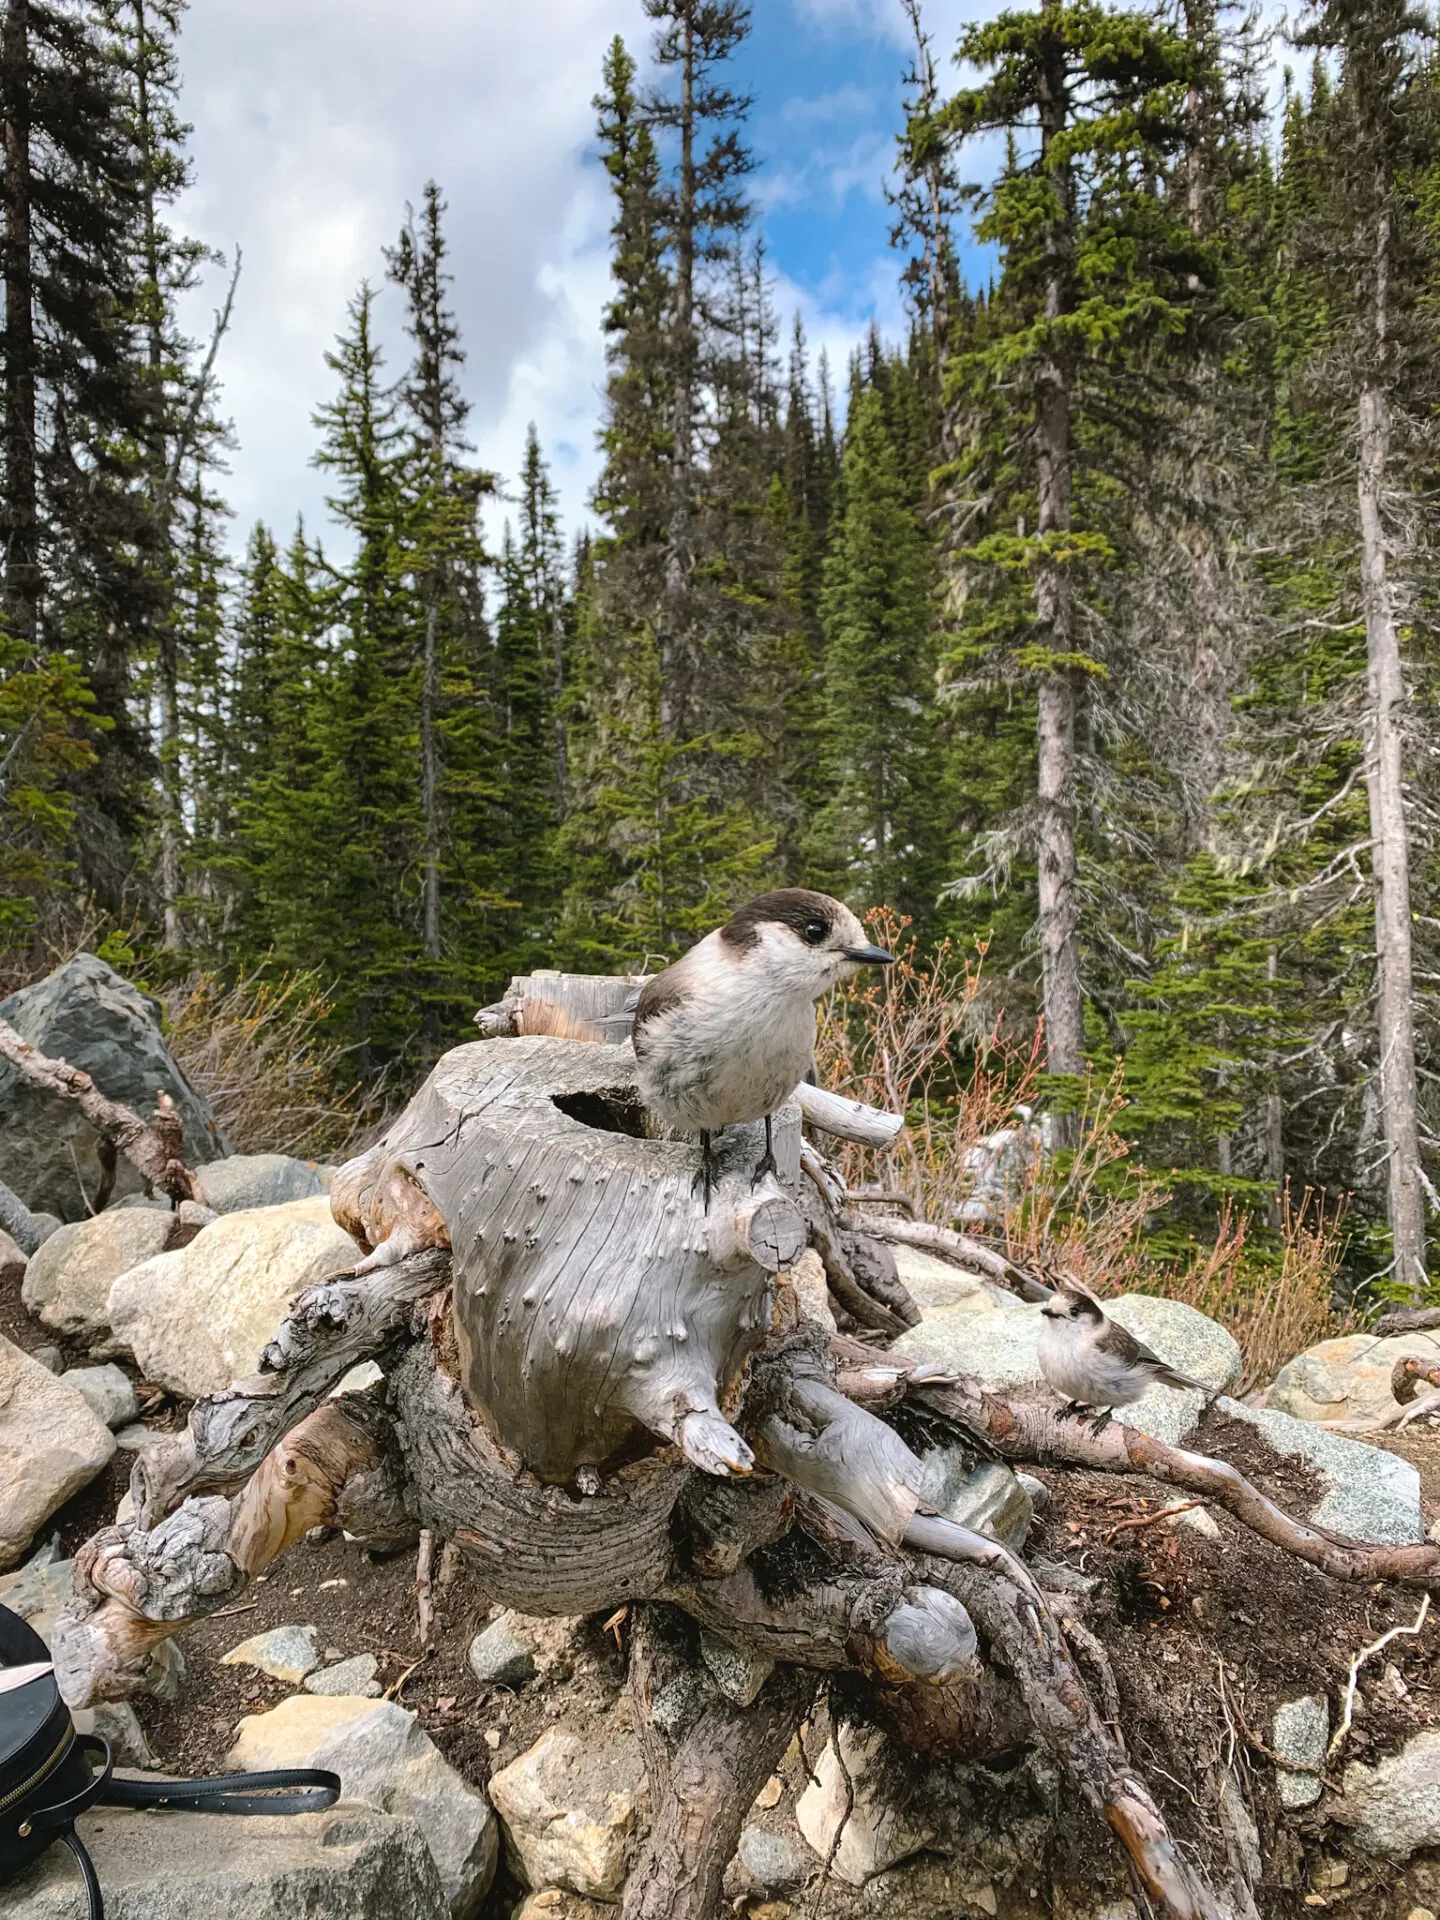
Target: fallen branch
[(1368, 1653), (153, 1151), (1408, 1320), (959, 1248), (1151, 1519), (846, 1119), (1035, 1431)]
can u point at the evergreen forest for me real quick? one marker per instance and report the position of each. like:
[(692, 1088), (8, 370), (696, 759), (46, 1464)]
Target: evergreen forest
[(1089, 628)]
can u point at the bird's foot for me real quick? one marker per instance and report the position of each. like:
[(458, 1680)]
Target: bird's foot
[(1101, 1420), (709, 1442), (705, 1179), (767, 1163), (1073, 1409)]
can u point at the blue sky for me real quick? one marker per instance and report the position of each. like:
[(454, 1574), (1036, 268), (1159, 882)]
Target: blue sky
[(314, 124)]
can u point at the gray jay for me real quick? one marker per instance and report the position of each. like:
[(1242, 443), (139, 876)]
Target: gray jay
[(1095, 1362), (728, 1031)]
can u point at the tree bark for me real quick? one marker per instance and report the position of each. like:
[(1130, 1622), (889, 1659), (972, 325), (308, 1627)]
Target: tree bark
[(704, 1775), (153, 1151), (429, 774), (22, 517), (1389, 833), (1058, 696)]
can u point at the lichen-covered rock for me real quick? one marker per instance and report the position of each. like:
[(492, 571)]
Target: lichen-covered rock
[(68, 1281), (51, 1445), (1396, 1803), (286, 1653), (199, 1318), (851, 1796), (570, 1811), (244, 1180), (1349, 1378), (353, 1676), (1369, 1493), (998, 1349), (499, 1657), (385, 1758), (87, 1014), (349, 1863), (1299, 1733)]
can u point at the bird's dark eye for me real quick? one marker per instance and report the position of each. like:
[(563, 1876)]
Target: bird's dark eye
[(815, 931)]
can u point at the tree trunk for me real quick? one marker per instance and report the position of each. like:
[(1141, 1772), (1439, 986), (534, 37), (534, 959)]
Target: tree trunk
[(429, 775), (22, 516), (1059, 912), (1389, 834), (678, 555)]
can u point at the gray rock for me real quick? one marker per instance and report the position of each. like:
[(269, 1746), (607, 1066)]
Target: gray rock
[(132, 1438), (1397, 1801), (1348, 1378), (1369, 1493), (285, 1653), (778, 1863), (37, 1591), (12, 1257), (996, 1348), (51, 1444), (349, 1863), (200, 1317), (1190, 1341), (87, 1014), (115, 1722), (848, 1809), (107, 1392), (385, 1758), (936, 1286), (499, 1657), (737, 1672), (569, 1808), (68, 1282), (190, 1213), (1038, 1491), (1298, 1734), (244, 1180), (50, 1358), (353, 1676), (987, 1498)]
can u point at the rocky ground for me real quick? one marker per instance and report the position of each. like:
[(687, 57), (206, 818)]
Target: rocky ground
[(494, 1772)]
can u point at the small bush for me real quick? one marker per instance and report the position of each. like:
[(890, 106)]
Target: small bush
[(256, 1049)]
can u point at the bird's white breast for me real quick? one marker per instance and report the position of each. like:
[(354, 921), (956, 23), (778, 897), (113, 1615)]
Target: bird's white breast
[(731, 1050)]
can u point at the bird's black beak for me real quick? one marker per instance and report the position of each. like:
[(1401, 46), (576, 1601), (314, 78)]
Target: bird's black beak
[(870, 956)]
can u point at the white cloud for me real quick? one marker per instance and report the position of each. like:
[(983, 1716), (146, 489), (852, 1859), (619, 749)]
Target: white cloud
[(315, 124)]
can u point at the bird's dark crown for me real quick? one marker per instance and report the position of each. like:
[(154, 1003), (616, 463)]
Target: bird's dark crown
[(794, 907)]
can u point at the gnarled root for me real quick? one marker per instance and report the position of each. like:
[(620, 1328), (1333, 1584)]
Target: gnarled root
[(332, 1326), (135, 1587), (1033, 1431), (707, 1759)]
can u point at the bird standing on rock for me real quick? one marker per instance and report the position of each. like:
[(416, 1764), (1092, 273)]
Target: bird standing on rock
[(1093, 1361), (728, 1032)]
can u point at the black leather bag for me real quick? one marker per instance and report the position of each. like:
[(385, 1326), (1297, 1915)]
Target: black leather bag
[(50, 1774)]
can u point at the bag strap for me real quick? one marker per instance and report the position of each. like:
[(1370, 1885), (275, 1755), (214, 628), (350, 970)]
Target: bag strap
[(64, 1813), (233, 1792), (87, 1873)]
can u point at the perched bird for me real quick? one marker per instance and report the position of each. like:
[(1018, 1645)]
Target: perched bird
[(1093, 1361), (728, 1032)]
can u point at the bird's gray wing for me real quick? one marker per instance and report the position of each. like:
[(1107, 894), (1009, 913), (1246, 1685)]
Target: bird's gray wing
[(658, 995), (1122, 1345)]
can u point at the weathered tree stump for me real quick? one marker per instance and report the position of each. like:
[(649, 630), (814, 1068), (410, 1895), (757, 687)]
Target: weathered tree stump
[(604, 1395)]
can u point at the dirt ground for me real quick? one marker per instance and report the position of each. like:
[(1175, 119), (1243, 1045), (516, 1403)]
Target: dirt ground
[(1206, 1637)]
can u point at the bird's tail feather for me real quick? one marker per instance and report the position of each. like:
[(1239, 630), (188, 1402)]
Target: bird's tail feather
[(1172, 1377)]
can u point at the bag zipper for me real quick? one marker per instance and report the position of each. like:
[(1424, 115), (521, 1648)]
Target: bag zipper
[(47, 1767)]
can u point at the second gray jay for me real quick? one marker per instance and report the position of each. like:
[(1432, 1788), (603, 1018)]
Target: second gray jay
[(1093, 1361), (728, 1031)]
